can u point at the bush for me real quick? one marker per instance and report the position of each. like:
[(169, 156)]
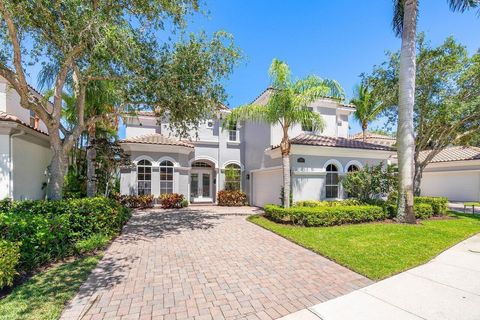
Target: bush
[(92, 243), (172, 200), (439, 204), (318, 203), (325, 216), (423, 210), (231, 198), (9, 256), (49, 230), (140, 201)]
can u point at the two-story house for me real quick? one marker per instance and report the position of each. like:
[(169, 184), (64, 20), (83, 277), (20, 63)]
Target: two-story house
[(24, 148), (196, 167)]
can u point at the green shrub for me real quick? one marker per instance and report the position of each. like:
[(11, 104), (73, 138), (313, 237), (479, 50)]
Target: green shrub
[(49, 230), (9, 256), (171, 200), (184, 203), (92, 243), (137, 201), (439, 204), (423, 210), (325, 216), (318, 203), (231, 198)]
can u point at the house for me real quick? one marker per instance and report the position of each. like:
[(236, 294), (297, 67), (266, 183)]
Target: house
[(24, 148), (196, 166), (453, 173)]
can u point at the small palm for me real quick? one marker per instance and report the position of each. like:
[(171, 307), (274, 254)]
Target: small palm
[(367, 108)]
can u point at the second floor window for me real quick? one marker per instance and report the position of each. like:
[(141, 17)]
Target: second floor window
[(232, 133)]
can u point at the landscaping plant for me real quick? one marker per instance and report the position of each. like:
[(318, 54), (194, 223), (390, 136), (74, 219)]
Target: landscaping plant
[(231, 198), (173, 200)]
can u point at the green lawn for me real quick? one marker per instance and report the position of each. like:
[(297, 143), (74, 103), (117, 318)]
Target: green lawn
[(379, 250), (45, 295)]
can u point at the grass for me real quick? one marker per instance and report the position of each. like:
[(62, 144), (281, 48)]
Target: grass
[(44, 295), (379, 250)]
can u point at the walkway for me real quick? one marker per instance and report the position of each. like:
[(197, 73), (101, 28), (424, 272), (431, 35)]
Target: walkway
[(448, 287), (206, 263)]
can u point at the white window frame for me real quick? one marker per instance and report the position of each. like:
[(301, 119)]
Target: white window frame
[(239, 168), (169, 168), (329, 185), (142, 164)]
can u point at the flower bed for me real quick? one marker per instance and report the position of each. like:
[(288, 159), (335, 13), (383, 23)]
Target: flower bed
[(231, 198)]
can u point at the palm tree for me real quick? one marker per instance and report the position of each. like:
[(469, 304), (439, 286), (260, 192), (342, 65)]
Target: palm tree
[(367, 108), (405, 25), (287, 107)]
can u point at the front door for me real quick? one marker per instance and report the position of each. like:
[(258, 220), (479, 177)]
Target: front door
[(201, 186)]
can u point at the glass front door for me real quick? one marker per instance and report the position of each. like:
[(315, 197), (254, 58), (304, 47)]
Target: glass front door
[(201, 186)]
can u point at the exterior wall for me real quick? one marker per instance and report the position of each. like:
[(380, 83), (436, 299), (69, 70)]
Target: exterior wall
[(30, 161), (4, 166), (266, 186)]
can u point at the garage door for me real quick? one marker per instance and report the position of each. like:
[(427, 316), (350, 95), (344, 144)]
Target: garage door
[(456, 186), (266, 187)]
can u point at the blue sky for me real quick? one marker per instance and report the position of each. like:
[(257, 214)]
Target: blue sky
[(333, 39)]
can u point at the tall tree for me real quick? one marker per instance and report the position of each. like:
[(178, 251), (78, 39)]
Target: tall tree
[(405, 25), (367, 107), (447, 97), (287, 107), (83, 41)]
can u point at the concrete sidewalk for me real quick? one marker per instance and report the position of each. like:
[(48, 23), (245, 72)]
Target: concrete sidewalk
[(448, 287)]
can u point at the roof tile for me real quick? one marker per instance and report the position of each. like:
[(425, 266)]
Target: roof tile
[(156, 138), (456, 153)]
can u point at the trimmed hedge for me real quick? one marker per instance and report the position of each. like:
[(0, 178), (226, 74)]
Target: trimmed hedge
[(439, 204), (9, 256), (231, 198), (325, 216), (423, 210), (318, 203), (50, 230)]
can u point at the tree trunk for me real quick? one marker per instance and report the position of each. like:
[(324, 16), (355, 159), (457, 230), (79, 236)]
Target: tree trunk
[(364, 131), (91, 164), (406, 100), (57, 170), (286, 180), (418, 180)]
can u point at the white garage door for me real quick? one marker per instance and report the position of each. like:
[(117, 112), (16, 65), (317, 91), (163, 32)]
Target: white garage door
[(266, 187), (456, 186)]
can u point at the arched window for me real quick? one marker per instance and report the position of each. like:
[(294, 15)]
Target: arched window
[(331, 186), (301, 160), (166, 177), (144, 177), (233, 177), (352, 168), (201, 164)]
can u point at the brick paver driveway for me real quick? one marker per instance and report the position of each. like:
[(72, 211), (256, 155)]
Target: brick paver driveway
[(206, 263)]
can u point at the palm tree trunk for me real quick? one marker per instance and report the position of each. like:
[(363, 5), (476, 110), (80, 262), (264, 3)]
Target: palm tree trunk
[(406, 100), (91, 155), (364, 131), (285, 150)]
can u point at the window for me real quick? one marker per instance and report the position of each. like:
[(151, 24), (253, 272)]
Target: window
[(201, 164), (331, 186), (301, 160), (352, 168), (166, 177), (233, 177), (209, 124), (232, 132), (144, 177)]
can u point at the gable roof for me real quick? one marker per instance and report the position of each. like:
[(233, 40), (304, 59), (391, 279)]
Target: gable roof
[(456, 153), (336, 142), (7, 117), (375, 138), (158, 139)]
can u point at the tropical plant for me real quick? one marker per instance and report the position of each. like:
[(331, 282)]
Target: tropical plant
[(367, 108), (85, 41), (405, 25), (286, 107)]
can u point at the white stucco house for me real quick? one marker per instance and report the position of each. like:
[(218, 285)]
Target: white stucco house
[(195, 167), (24, 148)]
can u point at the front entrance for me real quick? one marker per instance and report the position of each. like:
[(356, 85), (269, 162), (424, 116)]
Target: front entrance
[(201, 186)]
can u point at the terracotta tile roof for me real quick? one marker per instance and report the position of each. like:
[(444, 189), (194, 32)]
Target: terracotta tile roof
[(221, 106), (11, 118), (156, 138), (375, 138), (324, 141), (457, 153)]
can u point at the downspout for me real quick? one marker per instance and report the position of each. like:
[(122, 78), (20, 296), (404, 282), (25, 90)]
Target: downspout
[(10, 187)]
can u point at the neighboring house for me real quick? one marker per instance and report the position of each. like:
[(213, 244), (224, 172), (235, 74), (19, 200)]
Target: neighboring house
[(375, 138), (195, 167), (453, 173), (24, 148)]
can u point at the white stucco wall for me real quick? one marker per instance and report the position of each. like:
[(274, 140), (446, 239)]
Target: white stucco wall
[(30, 160), (266, 187), (4, 166)]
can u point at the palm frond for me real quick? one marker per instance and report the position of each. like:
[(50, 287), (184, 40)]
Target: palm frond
[(279, 74), (308, 118), (251, 112), (463, 5), (397, 21)]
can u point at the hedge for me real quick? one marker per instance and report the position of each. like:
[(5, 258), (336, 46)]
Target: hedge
[(50, 230), (318, 203), (231, 198), (325, 216), (439, 204)]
